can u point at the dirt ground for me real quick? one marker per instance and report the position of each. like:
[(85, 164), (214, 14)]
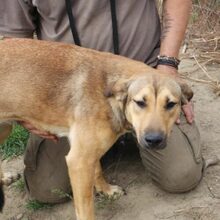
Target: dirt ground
[(144, 200)]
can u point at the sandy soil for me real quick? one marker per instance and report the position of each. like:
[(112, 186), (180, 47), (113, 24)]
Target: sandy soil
[(145, 201)]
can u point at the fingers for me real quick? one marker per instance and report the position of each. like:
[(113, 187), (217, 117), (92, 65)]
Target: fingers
[(27, 125), (178, 121), (188, 111), (43, 134)]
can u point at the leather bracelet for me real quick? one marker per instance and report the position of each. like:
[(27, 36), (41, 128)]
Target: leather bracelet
[(169, 61)]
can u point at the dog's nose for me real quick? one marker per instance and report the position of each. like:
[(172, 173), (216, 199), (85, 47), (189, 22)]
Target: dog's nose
[(154, 139)]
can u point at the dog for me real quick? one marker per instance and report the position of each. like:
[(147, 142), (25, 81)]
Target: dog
[(92, 98)]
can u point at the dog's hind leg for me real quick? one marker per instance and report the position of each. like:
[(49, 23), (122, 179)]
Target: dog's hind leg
[(102, 186), (5, 130)]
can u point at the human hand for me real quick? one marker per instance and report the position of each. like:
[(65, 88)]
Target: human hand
[(186, 108), (167, 69), (34, 130), (188, 112)]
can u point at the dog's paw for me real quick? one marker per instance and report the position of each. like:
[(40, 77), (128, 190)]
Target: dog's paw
[(9, 178), (113, 191)]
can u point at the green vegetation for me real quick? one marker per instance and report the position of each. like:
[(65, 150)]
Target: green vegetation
[(34, 205), (19, 185), (61, 193), (15, 144), (102, 200)]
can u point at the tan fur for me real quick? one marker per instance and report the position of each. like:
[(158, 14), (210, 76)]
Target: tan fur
[(88, 96)]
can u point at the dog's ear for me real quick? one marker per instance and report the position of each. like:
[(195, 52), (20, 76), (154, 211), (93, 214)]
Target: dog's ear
[(117, 90), (187, 92)]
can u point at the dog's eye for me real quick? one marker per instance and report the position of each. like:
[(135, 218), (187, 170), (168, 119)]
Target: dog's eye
[(141, 104), (170, 105)]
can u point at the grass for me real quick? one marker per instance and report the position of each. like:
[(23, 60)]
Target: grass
[(62, 194), (34, 205), (194, 17), (101, 200), (15, 143), (19, 185)]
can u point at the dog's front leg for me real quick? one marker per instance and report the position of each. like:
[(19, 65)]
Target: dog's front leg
[(81, 161), (81, 173), (102, 186)]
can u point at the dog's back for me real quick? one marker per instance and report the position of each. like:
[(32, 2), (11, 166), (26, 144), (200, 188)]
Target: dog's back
[(39, 72), (55, 78)]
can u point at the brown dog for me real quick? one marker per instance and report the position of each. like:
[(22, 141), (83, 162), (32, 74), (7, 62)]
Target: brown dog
[(92, 98)]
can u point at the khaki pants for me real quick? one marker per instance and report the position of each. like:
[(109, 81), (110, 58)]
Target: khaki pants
[(177, 168)]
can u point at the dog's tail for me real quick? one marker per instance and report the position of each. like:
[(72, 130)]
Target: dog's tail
[(2, 197)]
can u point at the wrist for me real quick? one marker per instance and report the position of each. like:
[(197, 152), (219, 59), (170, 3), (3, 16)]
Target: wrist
[(168, 61)]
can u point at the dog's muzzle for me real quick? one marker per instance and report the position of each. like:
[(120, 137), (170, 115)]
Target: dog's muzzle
[(153, 140)]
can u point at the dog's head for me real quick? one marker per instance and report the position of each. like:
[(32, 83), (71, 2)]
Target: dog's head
[(152, 105)]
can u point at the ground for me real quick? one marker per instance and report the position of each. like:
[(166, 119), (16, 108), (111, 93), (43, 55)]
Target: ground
[(144, 200)]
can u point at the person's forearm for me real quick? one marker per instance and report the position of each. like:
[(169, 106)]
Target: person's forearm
[(175, 19)]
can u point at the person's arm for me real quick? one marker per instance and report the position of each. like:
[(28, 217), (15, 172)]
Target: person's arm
[(34, 130), (175, 18), (174, 22)]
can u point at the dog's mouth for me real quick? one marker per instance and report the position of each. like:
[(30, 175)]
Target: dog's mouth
[(153, 141)]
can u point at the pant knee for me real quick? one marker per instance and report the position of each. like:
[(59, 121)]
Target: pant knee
[(186, 178), (175, 178)]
